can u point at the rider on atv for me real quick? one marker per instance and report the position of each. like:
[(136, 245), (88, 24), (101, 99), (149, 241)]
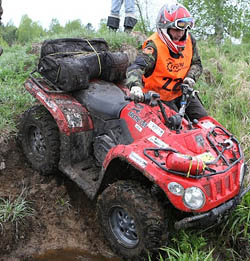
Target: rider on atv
[(168, 59)]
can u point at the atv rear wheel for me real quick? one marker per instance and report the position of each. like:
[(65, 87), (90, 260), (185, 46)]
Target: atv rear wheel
[(131, 219), (39, 138)]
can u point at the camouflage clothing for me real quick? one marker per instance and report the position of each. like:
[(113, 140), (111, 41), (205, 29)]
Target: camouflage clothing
[(145, 62)]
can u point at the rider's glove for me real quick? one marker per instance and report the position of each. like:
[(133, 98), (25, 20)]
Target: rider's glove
[(189, 81), (136, 94)]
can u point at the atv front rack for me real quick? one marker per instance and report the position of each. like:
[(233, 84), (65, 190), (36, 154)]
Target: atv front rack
[(208, 170), (226, 145)]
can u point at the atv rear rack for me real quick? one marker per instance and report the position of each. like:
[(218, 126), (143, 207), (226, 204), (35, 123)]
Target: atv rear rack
[(54, 89), (207, 172)]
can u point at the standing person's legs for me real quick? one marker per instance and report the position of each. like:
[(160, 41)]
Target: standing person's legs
[(1, 10), (130, 7), (116, 7), (130, 19), (114, 17)]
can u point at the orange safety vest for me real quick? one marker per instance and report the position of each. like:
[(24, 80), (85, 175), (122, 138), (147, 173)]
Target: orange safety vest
[(169, 72)]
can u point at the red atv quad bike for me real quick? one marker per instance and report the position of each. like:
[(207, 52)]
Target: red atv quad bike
[(141, 161)]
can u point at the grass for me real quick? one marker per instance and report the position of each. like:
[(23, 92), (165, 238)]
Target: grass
[(186, 247), (227, 97), (63, 205), (15, 66), (239, 223), (14, 210)]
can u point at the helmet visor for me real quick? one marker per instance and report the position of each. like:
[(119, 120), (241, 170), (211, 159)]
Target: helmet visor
[(182, 23)]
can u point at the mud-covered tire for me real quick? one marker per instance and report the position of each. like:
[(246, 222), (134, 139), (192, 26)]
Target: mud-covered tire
[(131, 220), (39, 139)]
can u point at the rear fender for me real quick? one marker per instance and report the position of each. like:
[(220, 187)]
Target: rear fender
[(69, 114)]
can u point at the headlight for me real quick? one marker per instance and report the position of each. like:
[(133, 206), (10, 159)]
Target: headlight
[(242, 173), (176, 188), (194, 198)]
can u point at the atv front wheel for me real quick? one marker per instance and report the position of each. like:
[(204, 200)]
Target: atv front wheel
[(39, 138), (131, 219)]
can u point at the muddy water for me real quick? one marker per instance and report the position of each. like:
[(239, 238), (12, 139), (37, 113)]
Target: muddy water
[(71, 255)]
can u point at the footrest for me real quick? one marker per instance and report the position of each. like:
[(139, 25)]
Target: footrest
[(86, 175)]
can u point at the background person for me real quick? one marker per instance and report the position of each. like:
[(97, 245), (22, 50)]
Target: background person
[(114, 17), (1, 11), (168, 59)]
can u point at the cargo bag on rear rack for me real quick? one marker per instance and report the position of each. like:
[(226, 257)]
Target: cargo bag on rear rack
[(72, 70), (70, 45), (114, 66)]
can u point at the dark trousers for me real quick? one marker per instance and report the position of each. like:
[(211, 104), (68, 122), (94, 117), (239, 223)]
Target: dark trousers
[(194, 110)]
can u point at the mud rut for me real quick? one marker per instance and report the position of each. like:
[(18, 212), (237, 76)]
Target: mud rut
[(63, 218)]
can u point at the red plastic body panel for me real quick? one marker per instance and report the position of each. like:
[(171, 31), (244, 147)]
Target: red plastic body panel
[(146, 127), (69, 114), (148, 130)]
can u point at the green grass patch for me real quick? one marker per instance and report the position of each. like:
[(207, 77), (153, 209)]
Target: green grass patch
[(187, 246), (14, 100), (225, 87), (14, 210)]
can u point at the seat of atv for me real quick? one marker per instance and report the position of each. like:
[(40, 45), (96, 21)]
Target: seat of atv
[(103, 99)]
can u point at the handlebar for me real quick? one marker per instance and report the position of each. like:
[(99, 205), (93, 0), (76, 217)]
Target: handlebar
[(174, 122), (150, 98)]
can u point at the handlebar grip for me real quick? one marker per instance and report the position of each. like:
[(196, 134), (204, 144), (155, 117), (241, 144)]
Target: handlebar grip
[(127, 98), (186, 89), (156, 95), (147, 97)]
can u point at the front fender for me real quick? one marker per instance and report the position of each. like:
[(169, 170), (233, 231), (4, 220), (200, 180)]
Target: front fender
[(133, 155), (129, 154), (68, 113)]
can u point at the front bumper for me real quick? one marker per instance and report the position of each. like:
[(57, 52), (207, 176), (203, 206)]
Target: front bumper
[(212, 215)]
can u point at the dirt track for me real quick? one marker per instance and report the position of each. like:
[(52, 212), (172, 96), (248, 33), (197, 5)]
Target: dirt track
[(63, 217)]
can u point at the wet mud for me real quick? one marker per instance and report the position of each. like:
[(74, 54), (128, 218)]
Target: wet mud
[(71, 255), (63, 218)]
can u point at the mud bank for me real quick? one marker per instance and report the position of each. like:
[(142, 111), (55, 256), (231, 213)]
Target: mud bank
[(63, 217)]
